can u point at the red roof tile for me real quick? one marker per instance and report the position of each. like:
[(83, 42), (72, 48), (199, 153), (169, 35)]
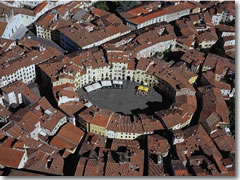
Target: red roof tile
[(13, 158), (40, 6)]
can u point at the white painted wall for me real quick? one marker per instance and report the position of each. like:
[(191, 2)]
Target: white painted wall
[(15, 22), (228, 34), (230, 43), (65, 99), (26, 74), (23, 160)]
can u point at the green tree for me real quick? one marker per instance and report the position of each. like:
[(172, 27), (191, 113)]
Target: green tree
[(113, 6), (102, 5), (126, 5)]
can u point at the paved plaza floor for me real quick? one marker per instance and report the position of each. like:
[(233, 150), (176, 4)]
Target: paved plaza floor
[(122, 100)]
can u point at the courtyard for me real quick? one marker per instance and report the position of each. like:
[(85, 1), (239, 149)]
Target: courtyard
[(123, 100)]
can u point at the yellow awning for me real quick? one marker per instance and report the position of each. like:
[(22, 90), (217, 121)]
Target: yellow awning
[(143, 88)]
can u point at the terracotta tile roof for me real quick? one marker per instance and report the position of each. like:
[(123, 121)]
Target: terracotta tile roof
[(70, 108), (197, 136), (214, 102), (23, 11), (178, 7), (230, 7), (199, 171), (194, 17), (148, 39), (114, 168), (229, 49), (94, 168), (47, 149), (206, 36), (86, 148), (4, 113), (116, 143), (29, 121), (229, 38), (52, 164), (51, 121), (143, 64), (97, 140), (52, 69), (4, 9), (182, 112), (147, 12), (62, 9), (151, 124), (5, 44), (181, 151), (57, 165), (225, 28), (13, 157), (179, 169), (40, 7), (211, 122), (211, 60), (23, 173), (44, 104), (120, 123), (141, 19), (210, 77), (80, 166), (158, 145), (80, 34), (102, 118), (181, 68), (29, 43), (30, 143), (67, 93), (155, 169), (193, 55), (8, 142), (189, 41), (12, 130), (45, 20), (225, 143), (99, 12), (117, 56), (2, 135), (208, 4), (88, 114), (131, 65), (31, 57), (230, 54), (68, 137), (221, 106), (3, 26)]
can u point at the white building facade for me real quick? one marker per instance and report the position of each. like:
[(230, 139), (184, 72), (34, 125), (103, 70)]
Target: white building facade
[(26, 73)]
